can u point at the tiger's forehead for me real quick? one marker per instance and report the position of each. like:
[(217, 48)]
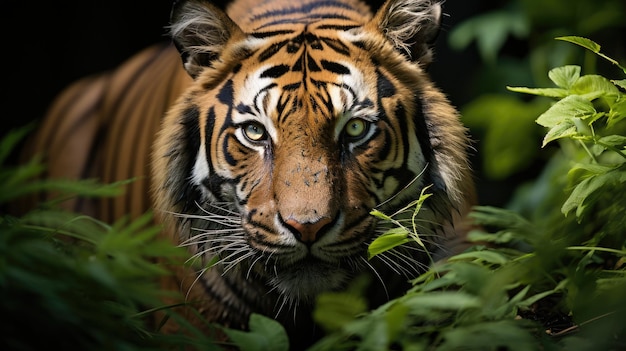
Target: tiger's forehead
[(314, 65)]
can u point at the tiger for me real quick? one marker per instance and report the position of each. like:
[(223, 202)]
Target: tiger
[(262, 136)]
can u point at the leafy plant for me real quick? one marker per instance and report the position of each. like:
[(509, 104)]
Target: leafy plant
[(72, 282), (515, 43)]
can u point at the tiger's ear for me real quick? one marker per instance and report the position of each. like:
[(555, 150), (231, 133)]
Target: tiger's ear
[(411, 25), (200, 31)]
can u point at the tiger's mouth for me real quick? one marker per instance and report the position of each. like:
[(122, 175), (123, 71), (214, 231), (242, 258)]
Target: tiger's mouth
[(308, 277)]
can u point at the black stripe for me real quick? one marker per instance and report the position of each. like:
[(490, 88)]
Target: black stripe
[(275, 71), (229, 158), (272, 50), (263, 35), (311, 64), (244, 109), (422, 131), (337, 27), (306, 9), (208, 135), (384, 87), (293, 86), (226, 94), (190, 144), (304, 20), (337, 46), (335, 67)]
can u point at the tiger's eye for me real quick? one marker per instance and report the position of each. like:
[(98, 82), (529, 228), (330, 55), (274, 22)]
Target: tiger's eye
[(356, 128), (254, 131)]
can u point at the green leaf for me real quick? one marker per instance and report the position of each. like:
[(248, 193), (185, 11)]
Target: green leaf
[(506, 334), (592, 46), (587, 191), (265, 334), (378, 214), (620, 83), (441, 300), (489, 31), (387, 241), (570, 106), (335, 309), (549, 92), (510, 138), (584, 42), (10, 141), (485, 256), (564, 77), (499, 218), (593, 86), (529, 301), (617, 112), (501, 237), (581, 171), (563, 130), (616, 141), (395, 318)]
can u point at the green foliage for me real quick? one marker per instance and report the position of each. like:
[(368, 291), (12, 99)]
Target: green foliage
[(516, 44), (72, 282), (401, 234), (501, 118), (265, 335), (550, 282), (589, 109), (490, 31)]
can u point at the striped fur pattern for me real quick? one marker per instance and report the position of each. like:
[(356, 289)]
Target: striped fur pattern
[(285, 125)]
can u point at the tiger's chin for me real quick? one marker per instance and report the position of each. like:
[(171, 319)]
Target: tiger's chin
[(303, 281)]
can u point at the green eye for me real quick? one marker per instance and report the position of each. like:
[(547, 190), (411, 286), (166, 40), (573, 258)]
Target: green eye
[(254, 131), (356, 128)]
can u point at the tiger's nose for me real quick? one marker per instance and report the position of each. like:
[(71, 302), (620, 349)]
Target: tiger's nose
[(308, 232)]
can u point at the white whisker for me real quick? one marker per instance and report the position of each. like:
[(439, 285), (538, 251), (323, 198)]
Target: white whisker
[(380, 279)]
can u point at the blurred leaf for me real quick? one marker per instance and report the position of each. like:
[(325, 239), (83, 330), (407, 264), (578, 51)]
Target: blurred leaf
[(621, 83), (505, 334), (617, 112), (485, 256), (265, 334), (586, 192), (510, 136), (335, 309), (616, 141), (11, 140), (424, 303), (500, 218), (490, 32)]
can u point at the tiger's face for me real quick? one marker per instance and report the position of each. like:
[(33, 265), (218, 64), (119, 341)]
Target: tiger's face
[(290, 135)]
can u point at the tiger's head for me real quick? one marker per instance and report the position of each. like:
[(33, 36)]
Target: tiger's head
[(298, 123)]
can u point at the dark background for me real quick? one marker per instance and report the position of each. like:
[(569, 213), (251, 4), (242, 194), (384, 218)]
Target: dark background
[(48, 44)]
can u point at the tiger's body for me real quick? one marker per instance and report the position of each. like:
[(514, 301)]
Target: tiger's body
[(285, 125)]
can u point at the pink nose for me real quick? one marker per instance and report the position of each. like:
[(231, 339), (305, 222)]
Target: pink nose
[(308, 232)]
